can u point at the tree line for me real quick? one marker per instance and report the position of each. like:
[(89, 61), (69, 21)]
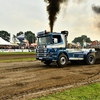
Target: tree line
[(30, 36), (81, 39)]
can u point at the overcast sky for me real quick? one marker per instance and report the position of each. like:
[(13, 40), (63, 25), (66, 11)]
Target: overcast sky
[(31, 15)]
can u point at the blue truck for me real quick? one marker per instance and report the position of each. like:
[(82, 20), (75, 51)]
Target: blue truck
[(52, 47)]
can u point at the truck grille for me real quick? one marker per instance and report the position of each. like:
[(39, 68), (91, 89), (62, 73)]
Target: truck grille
[(41, 52)]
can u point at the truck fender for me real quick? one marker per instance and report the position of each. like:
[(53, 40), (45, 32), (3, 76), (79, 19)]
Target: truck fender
[(66, 53)]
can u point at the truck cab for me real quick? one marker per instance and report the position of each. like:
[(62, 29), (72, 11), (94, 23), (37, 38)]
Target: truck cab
[(53, 47)]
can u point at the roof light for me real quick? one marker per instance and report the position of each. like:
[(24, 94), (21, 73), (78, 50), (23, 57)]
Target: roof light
[(47, 31)]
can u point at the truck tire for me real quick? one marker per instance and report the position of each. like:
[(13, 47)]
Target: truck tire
[(48, 62), (62, 60), (90, 59)]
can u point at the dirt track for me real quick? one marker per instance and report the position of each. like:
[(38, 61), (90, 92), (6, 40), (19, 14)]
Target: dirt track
[(17, 56), (22, 78)]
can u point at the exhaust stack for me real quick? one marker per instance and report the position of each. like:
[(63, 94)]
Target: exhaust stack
[(66, 34)]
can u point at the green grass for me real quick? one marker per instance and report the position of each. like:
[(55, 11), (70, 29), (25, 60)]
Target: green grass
[(26, 59), (91, 92), (10, 53)]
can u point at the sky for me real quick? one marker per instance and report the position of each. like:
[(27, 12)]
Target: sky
[(76, 16)]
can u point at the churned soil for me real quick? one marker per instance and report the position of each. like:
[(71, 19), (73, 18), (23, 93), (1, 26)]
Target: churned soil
[(18, 80)]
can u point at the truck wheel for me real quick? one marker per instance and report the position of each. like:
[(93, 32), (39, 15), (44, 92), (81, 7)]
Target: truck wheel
[(48, 62), (62, 60), (90, 59)]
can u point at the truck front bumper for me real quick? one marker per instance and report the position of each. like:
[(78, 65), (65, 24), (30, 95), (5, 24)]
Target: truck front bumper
[(46, 58)]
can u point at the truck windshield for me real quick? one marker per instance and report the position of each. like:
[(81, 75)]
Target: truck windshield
[(44, 40)]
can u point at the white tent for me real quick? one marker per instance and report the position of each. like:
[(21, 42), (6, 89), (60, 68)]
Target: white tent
[(3, 42)]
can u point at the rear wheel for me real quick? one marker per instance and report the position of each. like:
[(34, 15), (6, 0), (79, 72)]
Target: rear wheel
[(90, 59), (62, 60)]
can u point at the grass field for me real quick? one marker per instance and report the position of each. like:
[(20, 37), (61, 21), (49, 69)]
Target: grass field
[(10, 53), (26, 59), (91, 92)]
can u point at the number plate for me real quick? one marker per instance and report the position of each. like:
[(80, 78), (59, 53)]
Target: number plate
[(40, 58)]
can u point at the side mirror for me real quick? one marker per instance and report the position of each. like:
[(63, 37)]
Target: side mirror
[(55, 40)]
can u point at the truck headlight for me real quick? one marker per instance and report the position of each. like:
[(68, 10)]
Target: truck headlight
[(44, 54)]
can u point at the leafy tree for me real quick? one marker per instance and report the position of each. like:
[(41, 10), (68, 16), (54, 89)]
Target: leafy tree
[(5, 35), (19, 33), (14, 39), (80, 39), (30, 36)]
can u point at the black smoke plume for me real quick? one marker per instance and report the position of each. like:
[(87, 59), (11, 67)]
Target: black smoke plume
[(96, 9), (53, 9)]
